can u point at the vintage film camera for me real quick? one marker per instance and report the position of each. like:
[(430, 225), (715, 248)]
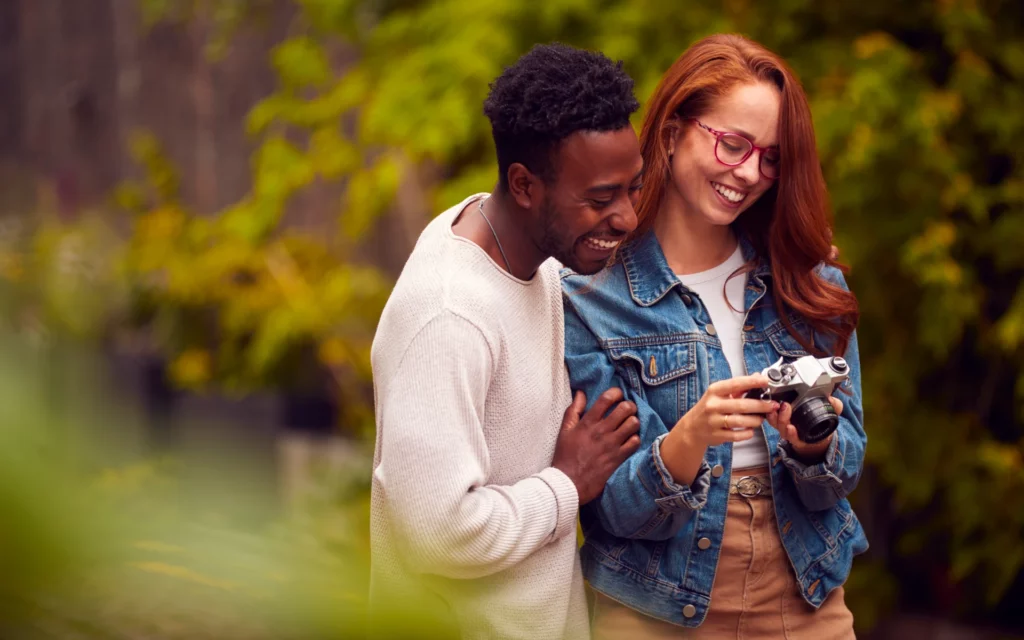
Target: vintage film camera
[(806, 384)]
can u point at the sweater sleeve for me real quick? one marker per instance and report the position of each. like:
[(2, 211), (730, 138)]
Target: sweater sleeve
[(434, 463)]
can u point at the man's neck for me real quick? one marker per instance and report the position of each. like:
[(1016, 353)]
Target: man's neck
[(691, 244), (506, 237)]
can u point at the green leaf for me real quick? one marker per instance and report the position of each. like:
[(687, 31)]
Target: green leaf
[(301, 62), (332, 155), (369, 192)]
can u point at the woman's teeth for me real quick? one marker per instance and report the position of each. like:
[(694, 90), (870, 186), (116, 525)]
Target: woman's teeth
[(728, 194), (601, 245)]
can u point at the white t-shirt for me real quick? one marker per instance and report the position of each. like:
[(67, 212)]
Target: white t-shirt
[(728, 322)]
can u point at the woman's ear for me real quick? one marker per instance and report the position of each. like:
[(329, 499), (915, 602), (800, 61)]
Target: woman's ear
[(670, 136)]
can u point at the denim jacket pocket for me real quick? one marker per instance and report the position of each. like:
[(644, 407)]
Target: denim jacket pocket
[(831, 523), (659, 371)]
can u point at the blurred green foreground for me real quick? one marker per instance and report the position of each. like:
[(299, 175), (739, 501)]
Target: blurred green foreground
[(137, 552)]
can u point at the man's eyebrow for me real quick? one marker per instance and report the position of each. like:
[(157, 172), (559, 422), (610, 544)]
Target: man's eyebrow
[(613, 187)]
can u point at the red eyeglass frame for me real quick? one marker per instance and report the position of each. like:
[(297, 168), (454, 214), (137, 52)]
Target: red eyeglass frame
[(753, 147)]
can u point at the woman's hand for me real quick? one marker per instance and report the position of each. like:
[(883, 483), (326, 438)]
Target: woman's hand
[(724, 415), (721, 415), (808, 453)]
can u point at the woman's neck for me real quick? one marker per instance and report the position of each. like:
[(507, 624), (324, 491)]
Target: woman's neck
[(690, 244)]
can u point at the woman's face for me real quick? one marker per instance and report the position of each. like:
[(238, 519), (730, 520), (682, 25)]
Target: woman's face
[(708, 190)]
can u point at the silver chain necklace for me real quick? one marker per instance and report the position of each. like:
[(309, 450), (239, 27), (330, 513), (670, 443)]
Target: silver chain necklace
[(494, 233)]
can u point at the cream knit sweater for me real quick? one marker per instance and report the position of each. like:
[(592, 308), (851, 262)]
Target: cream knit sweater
[(470, 388)]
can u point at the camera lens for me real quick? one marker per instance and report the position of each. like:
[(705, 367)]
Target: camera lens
[(815, 419)]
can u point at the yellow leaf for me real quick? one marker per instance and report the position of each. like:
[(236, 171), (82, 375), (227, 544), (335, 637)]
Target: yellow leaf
[(192, 368), (869, 45), (184, 573), (333, 352)]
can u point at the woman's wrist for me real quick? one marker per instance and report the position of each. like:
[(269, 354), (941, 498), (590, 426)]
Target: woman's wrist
[(681, 454), (810, 454)]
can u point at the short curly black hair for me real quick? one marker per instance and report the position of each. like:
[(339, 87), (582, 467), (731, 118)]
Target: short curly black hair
[(550, 93)]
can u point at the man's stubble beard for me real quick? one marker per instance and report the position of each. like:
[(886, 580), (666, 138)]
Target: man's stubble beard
[(550, 240)]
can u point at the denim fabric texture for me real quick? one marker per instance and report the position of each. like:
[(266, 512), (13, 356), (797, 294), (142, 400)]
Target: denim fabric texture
[(635, 326)]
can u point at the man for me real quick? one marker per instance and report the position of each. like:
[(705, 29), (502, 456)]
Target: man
[(480, 468)]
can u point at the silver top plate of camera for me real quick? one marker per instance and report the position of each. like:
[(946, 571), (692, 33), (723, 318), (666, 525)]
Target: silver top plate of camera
[(804, 377)]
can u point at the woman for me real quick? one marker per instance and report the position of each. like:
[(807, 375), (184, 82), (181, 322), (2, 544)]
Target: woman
[(718, 523)]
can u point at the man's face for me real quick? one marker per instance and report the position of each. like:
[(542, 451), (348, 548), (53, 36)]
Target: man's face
[(588, 209)]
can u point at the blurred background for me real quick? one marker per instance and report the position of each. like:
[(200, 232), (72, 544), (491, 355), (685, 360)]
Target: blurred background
[(204, 204)]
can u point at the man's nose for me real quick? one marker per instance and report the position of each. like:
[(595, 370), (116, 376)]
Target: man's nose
[(624, 219)]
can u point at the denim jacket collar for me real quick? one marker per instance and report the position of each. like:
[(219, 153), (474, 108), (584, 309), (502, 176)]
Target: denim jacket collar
[(649, 275)]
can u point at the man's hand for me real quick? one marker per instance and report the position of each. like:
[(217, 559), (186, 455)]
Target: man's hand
[(590, 447)]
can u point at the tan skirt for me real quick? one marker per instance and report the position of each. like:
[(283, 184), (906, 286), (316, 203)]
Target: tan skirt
[(755, 593)]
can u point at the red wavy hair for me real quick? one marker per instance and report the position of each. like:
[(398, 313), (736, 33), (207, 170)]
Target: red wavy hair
[(791, 224)]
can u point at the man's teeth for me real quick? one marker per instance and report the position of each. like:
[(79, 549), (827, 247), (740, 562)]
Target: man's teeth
[(729, 194), (601, 245)]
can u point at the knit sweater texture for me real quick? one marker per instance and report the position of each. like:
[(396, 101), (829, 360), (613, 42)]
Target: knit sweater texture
[(470, 388)]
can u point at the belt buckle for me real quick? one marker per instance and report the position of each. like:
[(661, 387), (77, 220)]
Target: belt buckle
[(749, 486)]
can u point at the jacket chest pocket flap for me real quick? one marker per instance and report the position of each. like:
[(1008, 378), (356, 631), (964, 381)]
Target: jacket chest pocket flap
[(650, 368)]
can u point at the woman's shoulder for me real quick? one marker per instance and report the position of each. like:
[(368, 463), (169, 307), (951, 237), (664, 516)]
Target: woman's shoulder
[(831, 273), (600, 298)]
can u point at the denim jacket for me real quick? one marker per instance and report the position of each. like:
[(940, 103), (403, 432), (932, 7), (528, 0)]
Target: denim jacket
[(636, 326)]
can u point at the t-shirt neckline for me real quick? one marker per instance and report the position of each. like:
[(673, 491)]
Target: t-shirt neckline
[(731, 264)]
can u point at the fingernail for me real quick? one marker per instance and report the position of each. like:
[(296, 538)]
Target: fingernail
[(775, 406)]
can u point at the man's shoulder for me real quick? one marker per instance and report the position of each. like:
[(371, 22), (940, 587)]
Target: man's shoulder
[(426, 327), (439, 288), (452, 277), (433, 292)]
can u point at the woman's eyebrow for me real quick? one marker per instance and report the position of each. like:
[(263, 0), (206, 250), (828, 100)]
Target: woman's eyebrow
[(747, 135)]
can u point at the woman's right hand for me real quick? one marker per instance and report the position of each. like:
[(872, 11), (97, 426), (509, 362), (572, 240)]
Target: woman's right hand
[(724, 415), (721, 415)]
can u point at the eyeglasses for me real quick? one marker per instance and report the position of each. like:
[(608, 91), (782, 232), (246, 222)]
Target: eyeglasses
[(732, 149)]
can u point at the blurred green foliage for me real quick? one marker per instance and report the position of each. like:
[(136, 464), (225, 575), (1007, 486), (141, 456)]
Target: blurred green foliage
[(58, 278), (918, 109), (94, 551), (233, 295)]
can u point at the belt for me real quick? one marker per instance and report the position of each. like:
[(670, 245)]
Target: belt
[(752, 486)]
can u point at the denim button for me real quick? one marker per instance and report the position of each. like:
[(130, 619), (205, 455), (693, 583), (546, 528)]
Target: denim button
[(710, 328), (717, 471), (704, 544), (689, 611)]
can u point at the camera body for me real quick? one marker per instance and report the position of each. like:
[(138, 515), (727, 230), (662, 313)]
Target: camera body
[(806, 384)]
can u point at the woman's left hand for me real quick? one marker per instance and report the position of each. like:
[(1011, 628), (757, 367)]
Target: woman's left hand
[(808, 453)]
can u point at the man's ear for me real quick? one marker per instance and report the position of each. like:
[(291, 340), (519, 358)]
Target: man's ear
[(523, 185)]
